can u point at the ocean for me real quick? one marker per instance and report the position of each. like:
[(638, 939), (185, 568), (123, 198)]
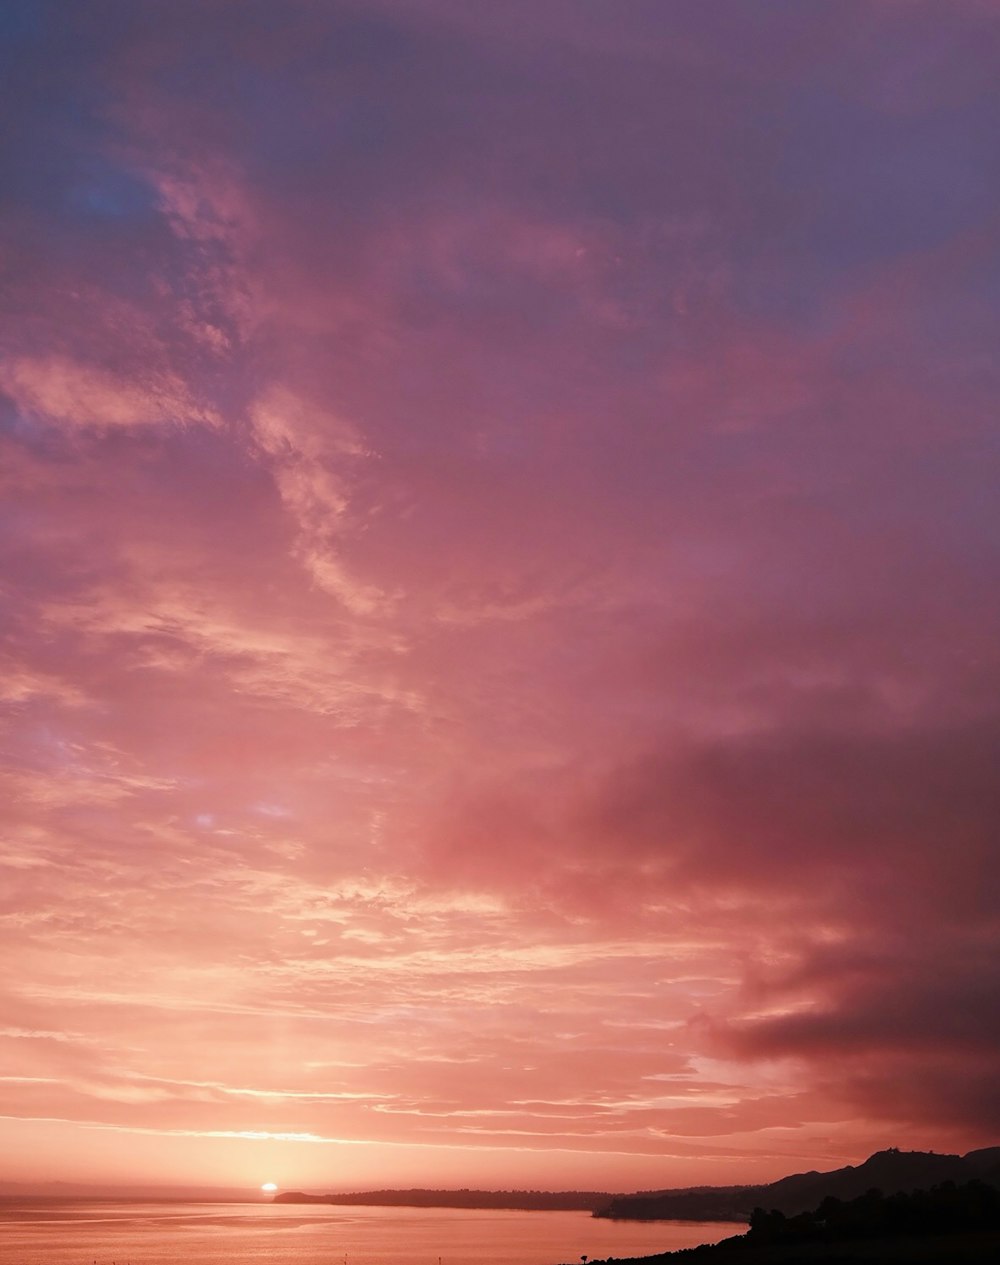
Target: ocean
[(105, 1232)]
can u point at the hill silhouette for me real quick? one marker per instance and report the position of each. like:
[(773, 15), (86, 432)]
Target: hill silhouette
[(890, 1171), (948, 1224)]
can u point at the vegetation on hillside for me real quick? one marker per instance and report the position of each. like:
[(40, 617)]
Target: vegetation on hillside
[(944, 1209)]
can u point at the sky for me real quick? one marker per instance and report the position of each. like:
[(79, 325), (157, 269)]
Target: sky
[(499, 576)]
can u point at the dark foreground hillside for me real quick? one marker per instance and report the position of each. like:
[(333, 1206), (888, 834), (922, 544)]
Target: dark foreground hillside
[(946, 1225), (974, 1248)]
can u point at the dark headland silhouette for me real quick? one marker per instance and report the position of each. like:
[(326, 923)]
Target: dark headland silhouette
[(897, 1208), (945, 1225), (890, 1171)]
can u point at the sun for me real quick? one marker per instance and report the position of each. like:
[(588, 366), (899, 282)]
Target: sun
[(269, 1188)]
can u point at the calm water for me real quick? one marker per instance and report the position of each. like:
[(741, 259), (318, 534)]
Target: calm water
[(78, 1232)]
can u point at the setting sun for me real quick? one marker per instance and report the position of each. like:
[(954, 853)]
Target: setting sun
[(269, 1188)]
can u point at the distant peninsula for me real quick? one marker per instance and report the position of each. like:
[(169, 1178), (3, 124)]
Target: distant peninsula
[(520, 1200)]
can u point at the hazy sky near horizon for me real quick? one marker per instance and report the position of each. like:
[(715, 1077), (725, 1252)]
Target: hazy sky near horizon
[(500, 588)]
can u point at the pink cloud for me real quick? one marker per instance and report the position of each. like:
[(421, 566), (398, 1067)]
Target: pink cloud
[(56, 390)]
